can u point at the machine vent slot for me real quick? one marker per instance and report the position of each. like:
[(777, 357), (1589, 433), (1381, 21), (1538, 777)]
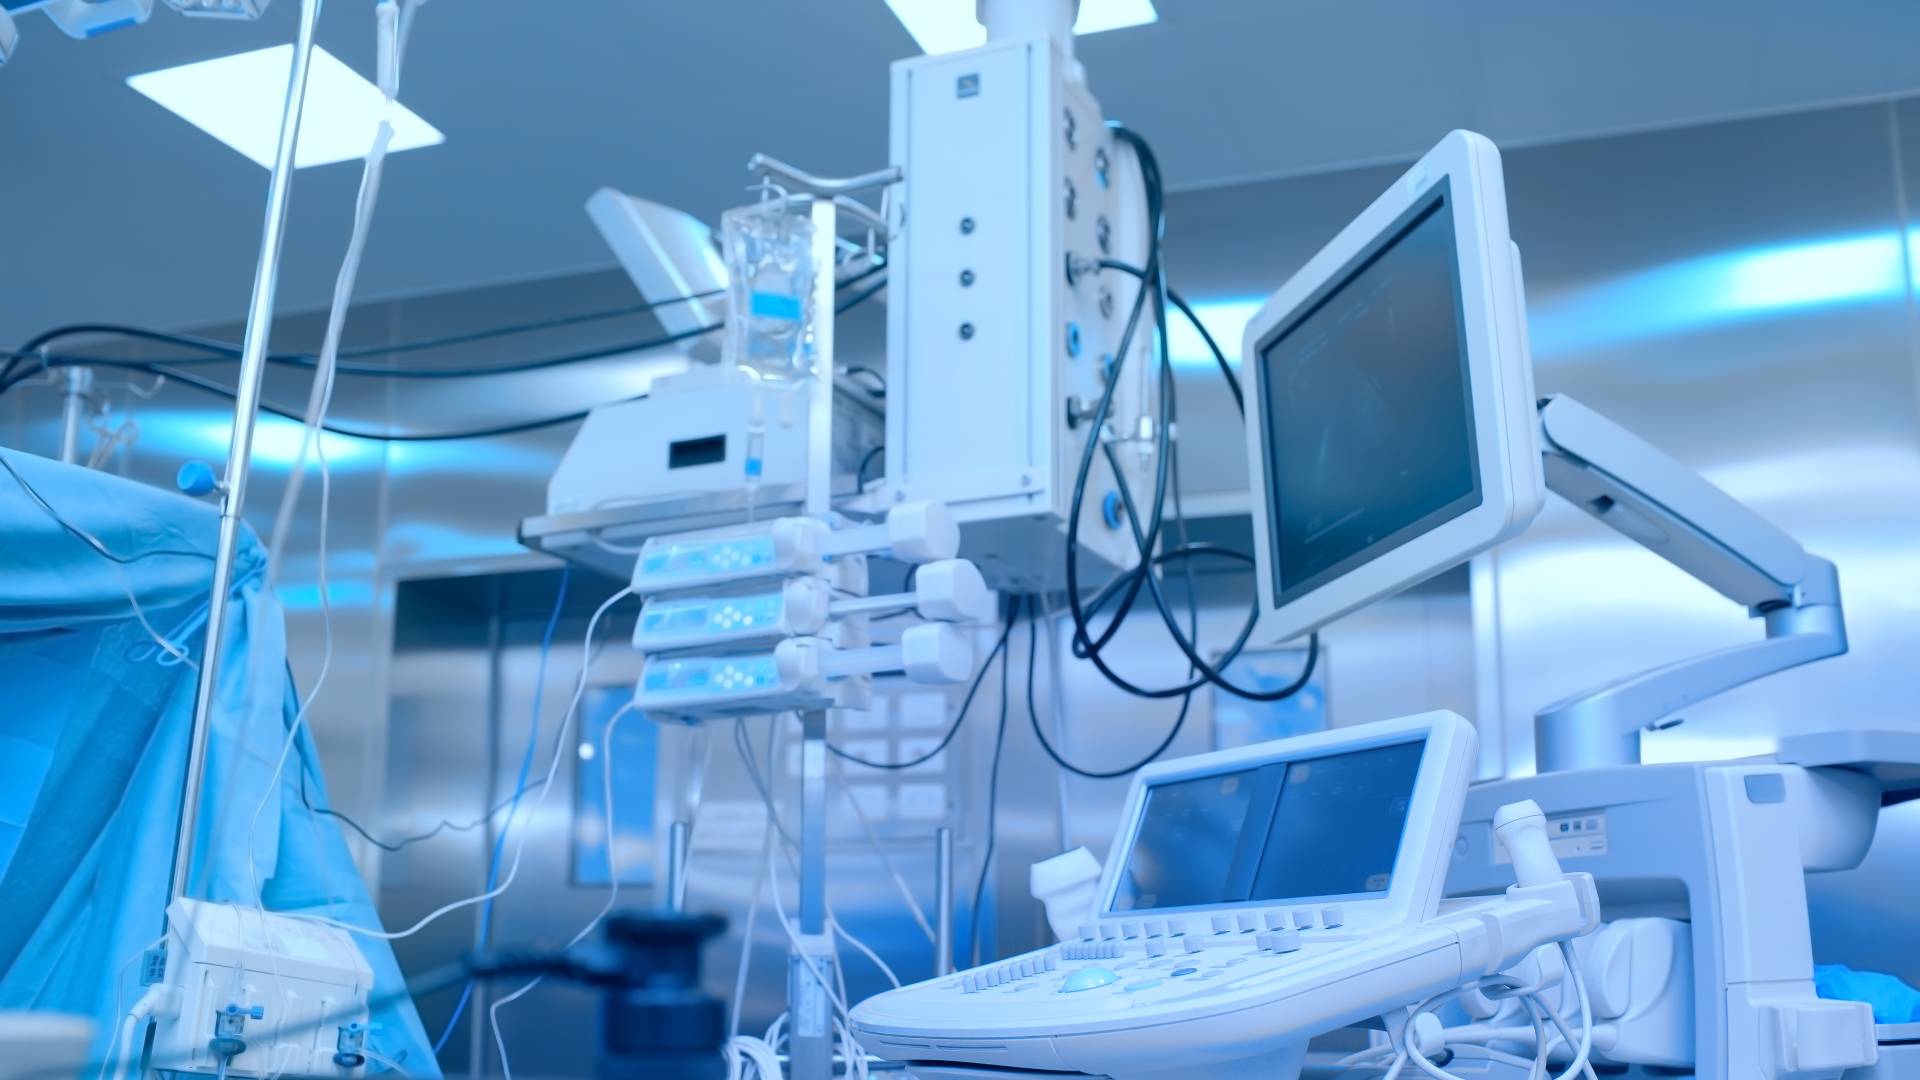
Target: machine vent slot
[(687, 453)]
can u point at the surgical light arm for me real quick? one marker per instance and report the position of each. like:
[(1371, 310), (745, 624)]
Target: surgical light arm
[(1675, 513)]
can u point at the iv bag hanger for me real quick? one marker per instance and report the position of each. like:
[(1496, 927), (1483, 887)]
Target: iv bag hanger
[(1675, 513)]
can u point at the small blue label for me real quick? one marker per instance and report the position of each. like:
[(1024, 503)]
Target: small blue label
[(767, 305)]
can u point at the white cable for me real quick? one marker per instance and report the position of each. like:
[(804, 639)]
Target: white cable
[(520, 843), (613, 877), (166, 646), (899, 882), (834, 925), (746, 938), (852, 1054), (319, 400), (135, 1020), (1367, 1056), (119, 978), (387, 1062), (793, 938), (744, 1051), (1536, 1009), (113, 562), (320, 397)]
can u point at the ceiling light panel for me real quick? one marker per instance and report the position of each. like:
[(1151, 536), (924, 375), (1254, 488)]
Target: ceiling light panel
[(238, 99), (943, 26)]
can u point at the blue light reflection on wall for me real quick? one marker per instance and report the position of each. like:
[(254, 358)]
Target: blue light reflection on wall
[(1716, 290), (1693, 294), (340, 594), (276, 441)]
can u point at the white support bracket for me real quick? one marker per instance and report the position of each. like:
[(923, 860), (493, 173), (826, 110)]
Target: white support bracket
[(1675, 513)]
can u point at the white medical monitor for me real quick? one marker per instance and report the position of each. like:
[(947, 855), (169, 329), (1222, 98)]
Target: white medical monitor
[(1391, 427), (1362, 818)]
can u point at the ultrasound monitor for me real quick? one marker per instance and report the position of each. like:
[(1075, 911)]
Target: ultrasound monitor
[(1350, 817), (1258, 833), (1391, 430)]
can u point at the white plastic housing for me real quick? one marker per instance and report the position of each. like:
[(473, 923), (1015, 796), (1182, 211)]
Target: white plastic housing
[(788, 676), (936, 653), (797, 608), (777, 548), (1521, 829), (922, 532), (309, 979), (952, 590), (1156, 995), (87, 18), (1010, 172), (1068, 885), (669, 254), (1499, 383), (688, 437)]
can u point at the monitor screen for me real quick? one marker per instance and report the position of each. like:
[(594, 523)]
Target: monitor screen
[(1369, 434), (1319, 828)]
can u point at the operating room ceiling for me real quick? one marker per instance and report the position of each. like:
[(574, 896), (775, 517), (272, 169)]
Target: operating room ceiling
[(111, 208)]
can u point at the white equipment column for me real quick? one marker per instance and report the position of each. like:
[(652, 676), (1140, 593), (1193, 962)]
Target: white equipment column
[(1001, 330)]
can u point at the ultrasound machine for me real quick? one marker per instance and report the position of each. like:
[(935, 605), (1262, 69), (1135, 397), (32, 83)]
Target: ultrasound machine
[(1258, 897)]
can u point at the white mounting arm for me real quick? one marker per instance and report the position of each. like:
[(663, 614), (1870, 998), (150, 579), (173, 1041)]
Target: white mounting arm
[(1675, 513)]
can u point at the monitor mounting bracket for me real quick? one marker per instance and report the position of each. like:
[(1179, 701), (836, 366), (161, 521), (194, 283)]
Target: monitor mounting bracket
[(1675, 513)]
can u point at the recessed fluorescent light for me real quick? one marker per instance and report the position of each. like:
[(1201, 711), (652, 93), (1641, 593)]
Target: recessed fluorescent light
[(942, 26), (1099, 16), (238, 99)]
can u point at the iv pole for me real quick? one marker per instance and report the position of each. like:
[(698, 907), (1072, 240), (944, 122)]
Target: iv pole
[(233, 490)]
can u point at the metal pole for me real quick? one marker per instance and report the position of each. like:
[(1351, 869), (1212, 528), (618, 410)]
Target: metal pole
[(240, 446), (943, 900), (809, 1009), (477, 999), (677, 839), (820, 400), (79, 383)]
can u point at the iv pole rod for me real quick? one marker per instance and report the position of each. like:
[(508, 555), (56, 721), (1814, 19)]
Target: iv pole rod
[(233, 491)]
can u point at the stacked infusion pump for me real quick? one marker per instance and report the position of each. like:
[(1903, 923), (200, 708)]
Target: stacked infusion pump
[(1000, 334)]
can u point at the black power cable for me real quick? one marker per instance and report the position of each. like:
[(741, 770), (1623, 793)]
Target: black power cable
[(860, 474), (1033, 718), (1085, 644), (952, 729), (225, 351), (993, 799), (218, 389), (1220, 358)]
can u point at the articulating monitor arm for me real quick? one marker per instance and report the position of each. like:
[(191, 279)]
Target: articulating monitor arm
[(1674, 512)]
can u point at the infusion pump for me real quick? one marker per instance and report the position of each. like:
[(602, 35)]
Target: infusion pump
[(1253, 898)]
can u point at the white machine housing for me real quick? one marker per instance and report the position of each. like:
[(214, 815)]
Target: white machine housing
[(996, 343), (308, 979), (1725, 848), (1236, 989), (688, 439), (1463, 172)]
